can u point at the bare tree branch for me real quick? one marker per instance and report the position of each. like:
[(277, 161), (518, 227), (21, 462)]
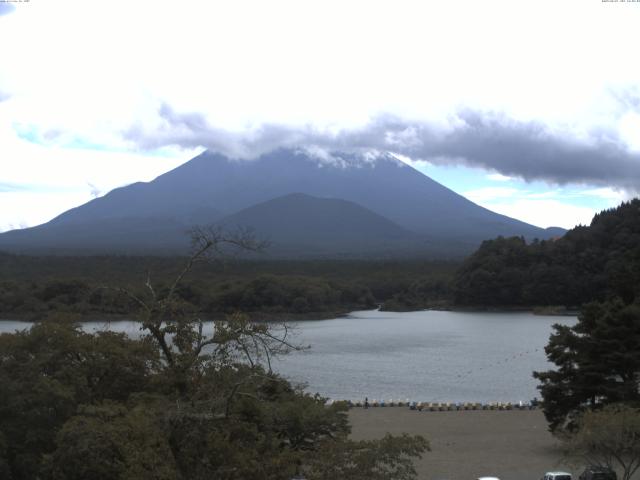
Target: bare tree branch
[(179, 333)]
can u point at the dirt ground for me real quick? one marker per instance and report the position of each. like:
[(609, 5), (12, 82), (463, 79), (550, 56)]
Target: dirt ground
[(512, 445)]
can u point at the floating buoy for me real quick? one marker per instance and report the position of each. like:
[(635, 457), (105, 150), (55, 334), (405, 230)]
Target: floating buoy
[(439, 406)]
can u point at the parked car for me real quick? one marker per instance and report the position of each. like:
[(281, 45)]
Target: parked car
[(598, 473), (557, 476), (487, 478)]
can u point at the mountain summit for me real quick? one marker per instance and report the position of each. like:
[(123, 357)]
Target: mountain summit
[(344, 204)]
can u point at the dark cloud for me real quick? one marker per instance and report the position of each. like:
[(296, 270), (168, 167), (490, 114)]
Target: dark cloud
[(193, 130), (6, 8), (479, 139), (531, 151)]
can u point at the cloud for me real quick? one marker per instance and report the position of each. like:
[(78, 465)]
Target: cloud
[(531, 151), (93, 190), (606, 194), (498, 177), (489, 194), (10, 187), (193, 129), (562, 207), (628, 98), (547, 194), (22, 209), (480, 195), (6, 8), (537, 212), (527, 150)]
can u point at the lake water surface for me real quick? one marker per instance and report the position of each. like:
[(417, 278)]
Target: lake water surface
[(424, 356)]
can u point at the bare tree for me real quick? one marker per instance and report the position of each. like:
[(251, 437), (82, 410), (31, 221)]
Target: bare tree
[(609, 437), (179, 331)]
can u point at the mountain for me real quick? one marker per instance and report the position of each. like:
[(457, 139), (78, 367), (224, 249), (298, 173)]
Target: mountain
[(554, 232), (305, 225), (123, 235), (211, 188)]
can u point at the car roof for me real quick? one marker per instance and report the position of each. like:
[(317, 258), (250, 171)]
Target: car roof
[(488, 478), (557, 473)]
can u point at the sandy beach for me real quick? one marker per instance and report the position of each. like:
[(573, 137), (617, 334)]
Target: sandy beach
[(468, 444)]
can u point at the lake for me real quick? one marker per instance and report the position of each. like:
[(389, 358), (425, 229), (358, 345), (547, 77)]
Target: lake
[(424, 356)]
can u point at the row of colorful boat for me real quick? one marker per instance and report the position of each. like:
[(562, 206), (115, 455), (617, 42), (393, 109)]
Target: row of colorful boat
[(446, 406)]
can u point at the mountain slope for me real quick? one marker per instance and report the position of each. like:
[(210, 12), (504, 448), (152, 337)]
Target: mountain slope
[(211, 186), (130, 235), (310, 225)]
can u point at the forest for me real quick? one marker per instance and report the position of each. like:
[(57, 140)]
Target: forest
[(32, 287), (588, 263)]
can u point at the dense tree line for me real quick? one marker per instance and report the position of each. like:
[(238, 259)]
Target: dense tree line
[(31, 287), (266, 294), (431, 292), (588, 263)]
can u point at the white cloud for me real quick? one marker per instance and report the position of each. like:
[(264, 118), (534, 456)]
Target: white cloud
[(418, 163), (554, 208), (498, 177), (486, 194), (26, 208), (606, 194), (326, 62), (544, 213), (629, 127), (543, 195)]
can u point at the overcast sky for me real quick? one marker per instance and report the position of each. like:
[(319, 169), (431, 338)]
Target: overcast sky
[(530, 108)]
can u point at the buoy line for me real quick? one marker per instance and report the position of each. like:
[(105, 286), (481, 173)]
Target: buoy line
[(440, 406)]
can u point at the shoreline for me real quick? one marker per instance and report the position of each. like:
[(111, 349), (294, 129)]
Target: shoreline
[(255, 316), (548, 310), (260, 316)]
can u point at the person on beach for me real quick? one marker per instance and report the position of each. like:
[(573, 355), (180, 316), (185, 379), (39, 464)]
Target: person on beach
[(366, 402)]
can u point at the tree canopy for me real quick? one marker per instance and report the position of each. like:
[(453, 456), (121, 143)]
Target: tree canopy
[(185, 401), (33, 287), (588, 263), (597, 360)]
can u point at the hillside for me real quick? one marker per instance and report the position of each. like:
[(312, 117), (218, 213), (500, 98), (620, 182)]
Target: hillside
[(588, 263), (308, 225)]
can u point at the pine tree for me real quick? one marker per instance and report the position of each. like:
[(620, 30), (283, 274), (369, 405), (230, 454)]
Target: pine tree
[(598, 362)]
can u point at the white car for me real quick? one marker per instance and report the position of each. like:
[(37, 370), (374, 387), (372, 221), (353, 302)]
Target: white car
[(556, 476), (487, 478)]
